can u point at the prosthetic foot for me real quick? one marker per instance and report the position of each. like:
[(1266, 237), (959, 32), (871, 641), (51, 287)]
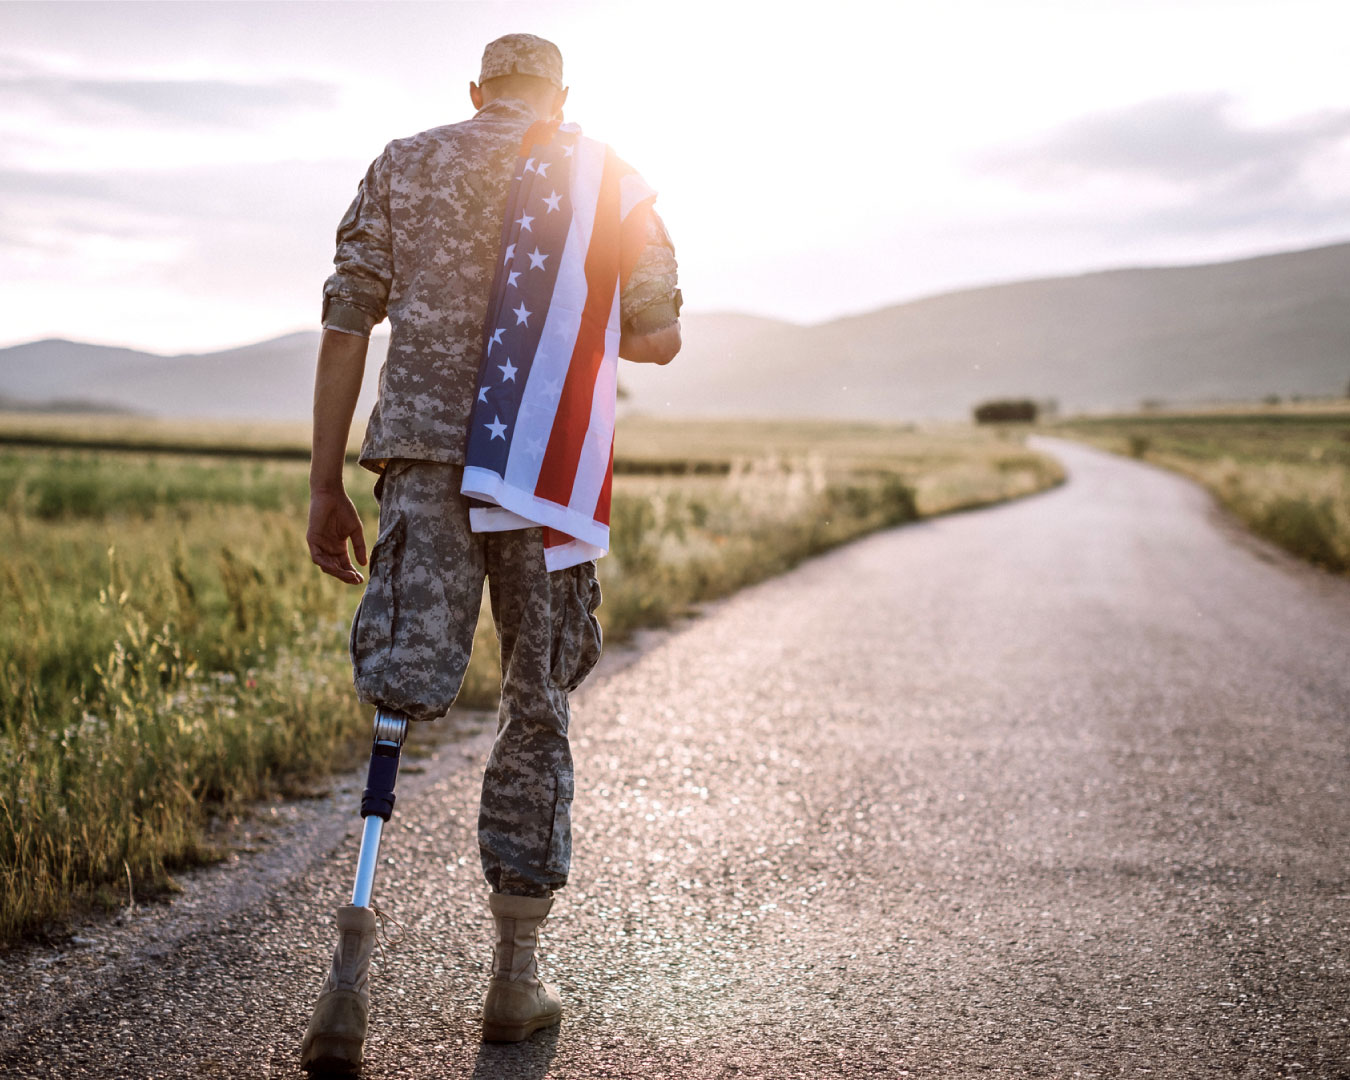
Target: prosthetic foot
[(337, 1031), (518, 1002)]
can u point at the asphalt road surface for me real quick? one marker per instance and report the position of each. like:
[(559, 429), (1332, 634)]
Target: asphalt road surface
[(1054, 789)]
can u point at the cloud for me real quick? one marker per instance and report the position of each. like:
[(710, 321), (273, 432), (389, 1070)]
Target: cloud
[(271, 192), (180, 102), (239, 230), (1315, 218), (1187, 140)]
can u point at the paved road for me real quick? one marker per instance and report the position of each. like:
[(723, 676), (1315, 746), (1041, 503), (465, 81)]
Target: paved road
[(1053, 789)]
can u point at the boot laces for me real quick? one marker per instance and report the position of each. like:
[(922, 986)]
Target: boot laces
[(383, 937)]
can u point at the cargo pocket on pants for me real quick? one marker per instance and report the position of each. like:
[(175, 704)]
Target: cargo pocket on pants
[(560, 842), (372, 638), (579, 639)]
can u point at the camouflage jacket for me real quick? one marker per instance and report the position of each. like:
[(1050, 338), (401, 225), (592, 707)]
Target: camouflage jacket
[(419, 243)]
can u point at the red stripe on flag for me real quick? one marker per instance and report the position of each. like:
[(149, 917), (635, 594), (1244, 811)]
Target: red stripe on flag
[(554, 538), (557, 473), (602, 503)]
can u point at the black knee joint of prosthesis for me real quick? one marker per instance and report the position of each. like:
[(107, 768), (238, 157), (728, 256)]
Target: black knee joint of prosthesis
[(378, 798)]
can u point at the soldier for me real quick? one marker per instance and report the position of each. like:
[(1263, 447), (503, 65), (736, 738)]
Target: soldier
[(421, 243)]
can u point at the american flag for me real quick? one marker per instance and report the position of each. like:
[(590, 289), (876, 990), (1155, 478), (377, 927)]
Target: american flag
[(541, 437)]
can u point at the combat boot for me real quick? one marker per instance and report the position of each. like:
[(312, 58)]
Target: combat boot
[(337, 1030), (518, 1003)]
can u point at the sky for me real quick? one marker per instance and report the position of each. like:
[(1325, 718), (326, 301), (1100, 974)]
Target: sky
[(171, 174)]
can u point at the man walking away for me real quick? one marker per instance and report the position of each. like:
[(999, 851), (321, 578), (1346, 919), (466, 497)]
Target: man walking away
[(510, 299)]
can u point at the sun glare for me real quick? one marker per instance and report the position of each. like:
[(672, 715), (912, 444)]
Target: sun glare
[(810, 160)]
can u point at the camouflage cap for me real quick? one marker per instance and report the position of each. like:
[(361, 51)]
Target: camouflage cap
[(522, 54)]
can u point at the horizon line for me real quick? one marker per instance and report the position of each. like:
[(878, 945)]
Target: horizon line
[(382, 330)]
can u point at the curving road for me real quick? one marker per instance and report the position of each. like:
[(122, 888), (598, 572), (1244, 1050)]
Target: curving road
[(1054, 789)]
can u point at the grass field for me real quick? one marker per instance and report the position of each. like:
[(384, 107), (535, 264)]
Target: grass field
[(168, 652), (1284, 470)]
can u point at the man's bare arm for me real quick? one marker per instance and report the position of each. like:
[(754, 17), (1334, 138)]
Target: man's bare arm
[(333, 519), (657, 347)]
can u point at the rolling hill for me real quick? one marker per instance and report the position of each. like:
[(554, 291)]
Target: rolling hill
[(1277, 324)]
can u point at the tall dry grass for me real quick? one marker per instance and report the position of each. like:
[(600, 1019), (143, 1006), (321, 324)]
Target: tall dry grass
[(168, 651), (1285, 473)]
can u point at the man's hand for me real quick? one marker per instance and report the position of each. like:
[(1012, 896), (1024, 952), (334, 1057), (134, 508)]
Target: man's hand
[(333, 521)]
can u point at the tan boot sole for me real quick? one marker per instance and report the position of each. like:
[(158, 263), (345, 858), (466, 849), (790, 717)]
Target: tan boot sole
[(333, 1055), (336, 1037), (510, 1033)]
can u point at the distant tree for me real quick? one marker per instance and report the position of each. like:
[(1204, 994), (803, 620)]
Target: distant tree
[(1152, 404), (1011, 410)]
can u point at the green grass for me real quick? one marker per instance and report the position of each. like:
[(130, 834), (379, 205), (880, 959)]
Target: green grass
[(168, 651), (83, 484), (1285, 473)]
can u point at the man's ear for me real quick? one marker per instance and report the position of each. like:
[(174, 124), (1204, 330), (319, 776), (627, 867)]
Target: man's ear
[(559, 100), (476, 95)]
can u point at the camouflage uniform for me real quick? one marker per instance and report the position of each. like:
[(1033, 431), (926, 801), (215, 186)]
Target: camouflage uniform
[(410, 645), (420, 244)]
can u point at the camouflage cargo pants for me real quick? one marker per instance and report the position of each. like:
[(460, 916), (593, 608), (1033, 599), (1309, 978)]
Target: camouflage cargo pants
[(410, 645)]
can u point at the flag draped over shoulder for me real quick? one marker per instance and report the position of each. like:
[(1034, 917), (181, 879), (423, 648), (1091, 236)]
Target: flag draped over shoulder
[(541, 438)]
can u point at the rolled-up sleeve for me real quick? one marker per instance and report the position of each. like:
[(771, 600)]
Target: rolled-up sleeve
[(356, 295), (651, 297)]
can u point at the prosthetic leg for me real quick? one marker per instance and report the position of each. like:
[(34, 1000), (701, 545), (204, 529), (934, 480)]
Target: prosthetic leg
[(337, 1030), (377, 801)]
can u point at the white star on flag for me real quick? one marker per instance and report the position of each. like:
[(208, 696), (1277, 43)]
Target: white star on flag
[(511, 276), (508, 370), (567, 150), (510, 254), (543, 169), (537, 259), (529, 165), (497, 428), (522, 315), (482, 393), (524, 221), (552, 202), (536, 446), (553, 387), (496, 338)]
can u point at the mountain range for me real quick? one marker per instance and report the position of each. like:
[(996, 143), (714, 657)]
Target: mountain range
[(1245, 329)]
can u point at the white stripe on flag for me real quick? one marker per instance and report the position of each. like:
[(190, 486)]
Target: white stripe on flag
[(495, 519), (572, 553), (486, 484)]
